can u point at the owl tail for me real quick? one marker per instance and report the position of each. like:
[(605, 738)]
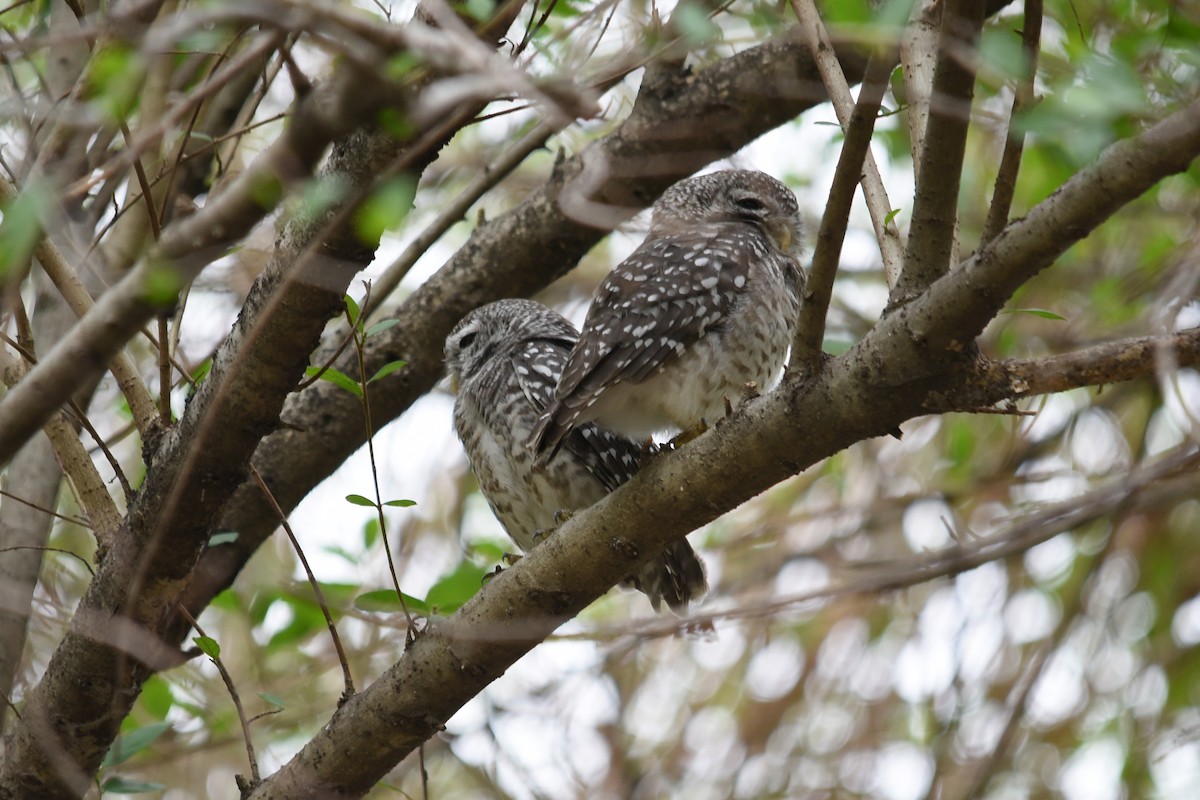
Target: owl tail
[(676, 575)]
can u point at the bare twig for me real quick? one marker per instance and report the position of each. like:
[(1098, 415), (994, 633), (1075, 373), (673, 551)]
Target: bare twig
[(806, 353), (817, 39), (492, 174), (66, 280), (233, 694), (312, 580), (931, 238), (1014, 140)]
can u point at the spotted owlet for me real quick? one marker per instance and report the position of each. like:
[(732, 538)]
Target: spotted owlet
[(706, 305), (504, 360)]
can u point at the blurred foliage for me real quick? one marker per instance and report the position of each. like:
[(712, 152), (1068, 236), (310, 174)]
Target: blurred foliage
[(1077, 654)]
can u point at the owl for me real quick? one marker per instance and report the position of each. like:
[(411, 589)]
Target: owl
[(504, 360), (706, 305)]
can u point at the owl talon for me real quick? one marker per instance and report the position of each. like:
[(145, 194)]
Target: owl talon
[(561, 516), (510, 558), (487, 578)]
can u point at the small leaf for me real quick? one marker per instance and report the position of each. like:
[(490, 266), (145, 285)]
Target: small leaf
[(380, 327), (119, 785), (225, 537), (693, 22), (127, 745), (273, 699), (385, 209), (400, 503), (208, 646), (352, 310), (385, 600), (452, 590), (359, 500), (387, 369), (370, 532), (1037, 312), (891, 215), (338, 378)]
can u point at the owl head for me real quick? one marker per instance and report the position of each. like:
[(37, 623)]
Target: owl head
[(495, 330), (732, 195)]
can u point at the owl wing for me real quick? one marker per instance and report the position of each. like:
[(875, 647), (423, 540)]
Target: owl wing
[(610, 458), (649, 310)]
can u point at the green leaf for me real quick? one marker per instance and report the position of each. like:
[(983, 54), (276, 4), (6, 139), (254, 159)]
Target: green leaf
[(387, 369), (21, 228), (156, 697), (127, 745), (370, 533), (119, 785), (380, 327), (1037, 312), (359, 500), (693, 22), (225, 537), (385, 600), (208, 646), (352, 310), (891, 215), (337, 378), (114, 79), (479, 10), (400, 503), (385, 209), (162, 286), (272, 699), (451, 591)]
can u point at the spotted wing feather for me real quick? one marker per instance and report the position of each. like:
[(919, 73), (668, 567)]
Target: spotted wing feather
[(647, 311), (610, 458)]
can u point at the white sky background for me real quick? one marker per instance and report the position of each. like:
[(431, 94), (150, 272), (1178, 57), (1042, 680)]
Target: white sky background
[(960, 629)]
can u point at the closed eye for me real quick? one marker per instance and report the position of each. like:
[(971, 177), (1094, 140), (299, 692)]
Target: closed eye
[(466, 340), (751, 204)]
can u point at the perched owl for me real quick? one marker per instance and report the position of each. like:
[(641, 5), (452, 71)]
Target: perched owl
[(504, 360), (707, 304)]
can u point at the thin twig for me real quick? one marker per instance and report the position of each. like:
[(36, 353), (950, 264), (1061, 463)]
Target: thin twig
[(806, 354), (1014, 141), (312, 580), (47, 548), (80, 521), (492, 174), (360, 341), (233, 693), (838, 89), (67, 281)]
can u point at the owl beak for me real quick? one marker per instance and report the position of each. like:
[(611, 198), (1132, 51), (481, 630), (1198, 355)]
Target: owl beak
[(781, 233), (454, 384)]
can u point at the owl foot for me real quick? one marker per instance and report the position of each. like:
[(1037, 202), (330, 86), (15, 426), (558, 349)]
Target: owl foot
[(487, 578)]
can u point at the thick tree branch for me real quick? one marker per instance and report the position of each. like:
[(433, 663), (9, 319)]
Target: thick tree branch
[(891, 376)]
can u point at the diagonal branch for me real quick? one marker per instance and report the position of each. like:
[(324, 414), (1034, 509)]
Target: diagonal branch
[(931, 234)]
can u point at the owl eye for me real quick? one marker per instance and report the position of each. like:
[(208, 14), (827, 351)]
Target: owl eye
[(751, 204), (467, 339)]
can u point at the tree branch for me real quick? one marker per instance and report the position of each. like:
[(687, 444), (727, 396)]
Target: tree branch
[(931, 235)]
